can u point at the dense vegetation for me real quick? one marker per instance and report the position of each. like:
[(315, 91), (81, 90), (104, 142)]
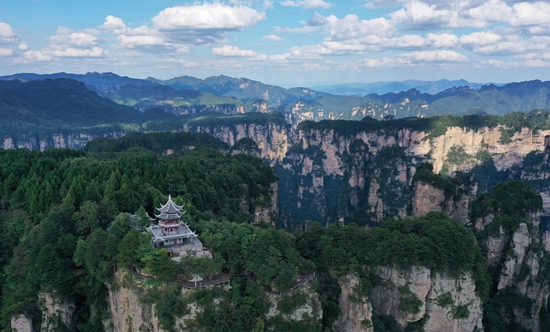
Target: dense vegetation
[(66, 214), (435, 125)]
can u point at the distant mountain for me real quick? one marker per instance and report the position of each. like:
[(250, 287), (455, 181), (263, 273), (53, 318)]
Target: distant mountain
[(38, 106), (144, 97), (242, 89), (362, 89), (100, 81), (188, 95)]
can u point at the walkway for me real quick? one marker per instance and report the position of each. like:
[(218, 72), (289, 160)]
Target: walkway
[(223, 279)]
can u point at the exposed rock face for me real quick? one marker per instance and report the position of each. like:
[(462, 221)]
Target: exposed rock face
[(58, 141), (438, 299), (375, 202), (321, 156), (356, 310), (427, 198), (516, 259), (21, 323), (127, 311), (55, 312), (272, 139), (309, 310)]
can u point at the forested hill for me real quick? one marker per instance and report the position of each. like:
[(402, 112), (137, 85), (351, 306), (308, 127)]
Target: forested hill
[(57, 105)]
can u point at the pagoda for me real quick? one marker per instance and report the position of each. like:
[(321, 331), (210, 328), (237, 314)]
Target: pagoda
[(173, 234)]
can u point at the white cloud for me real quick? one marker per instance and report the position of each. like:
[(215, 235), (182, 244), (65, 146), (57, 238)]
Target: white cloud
[(380, 62), (114, 24), (442, 40), (7, 35), (22, 47), (316, 20), (351, 27), (307, 4), (178, 29), (36, 56), (232, 51), (528, 14), (480, 38), (435, 56), (214, 16), (273, 37), (76, 52), (490, 12), (419, 15), (67, 43), (6, 51), (537, 63)]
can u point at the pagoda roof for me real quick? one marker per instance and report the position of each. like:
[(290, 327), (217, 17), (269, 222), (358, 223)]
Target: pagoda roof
[(171, 216), (170, 207)]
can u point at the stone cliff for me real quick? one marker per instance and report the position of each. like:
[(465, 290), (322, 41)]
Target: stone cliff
[(417, 296), (272, 139), (131, 310), (58, 141)]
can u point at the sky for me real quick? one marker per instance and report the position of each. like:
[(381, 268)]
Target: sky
[(288, 42)]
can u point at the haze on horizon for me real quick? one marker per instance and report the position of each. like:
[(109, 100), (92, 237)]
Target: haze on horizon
[(290, 42)]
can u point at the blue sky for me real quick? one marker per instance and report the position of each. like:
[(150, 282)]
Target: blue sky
[(288, 42)]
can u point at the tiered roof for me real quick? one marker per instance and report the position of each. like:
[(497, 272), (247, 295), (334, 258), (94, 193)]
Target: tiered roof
[(170, 211)]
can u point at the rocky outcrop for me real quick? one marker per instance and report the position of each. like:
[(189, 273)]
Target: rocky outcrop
[(21, 323), (272, 139), (355, 308), (58, 141), (129, 312), (439, 302), (515, 259), (428, 198), (56, 313), (310, 310)]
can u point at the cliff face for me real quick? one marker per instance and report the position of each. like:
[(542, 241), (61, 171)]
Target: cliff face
[(516, 261), (328, 178), (129, 309), (58, 141), (272, 139), (428, 198), (356, 309), (433, 302)]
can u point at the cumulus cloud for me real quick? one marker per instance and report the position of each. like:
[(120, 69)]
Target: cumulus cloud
[(316, 20), (6, 51), (7, 35), (380, 62), (178, 29), (113, 24), (207, 17), (537, 63), (442, 40), (435, 56), (35, 56), (232, 51), (273, 37), (67, 43), (480, 38), (307, 4)]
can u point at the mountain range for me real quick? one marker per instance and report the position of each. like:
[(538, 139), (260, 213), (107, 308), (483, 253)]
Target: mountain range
[(50, 102)]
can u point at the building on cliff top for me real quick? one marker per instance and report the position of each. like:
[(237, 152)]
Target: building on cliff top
[(174, 235)]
